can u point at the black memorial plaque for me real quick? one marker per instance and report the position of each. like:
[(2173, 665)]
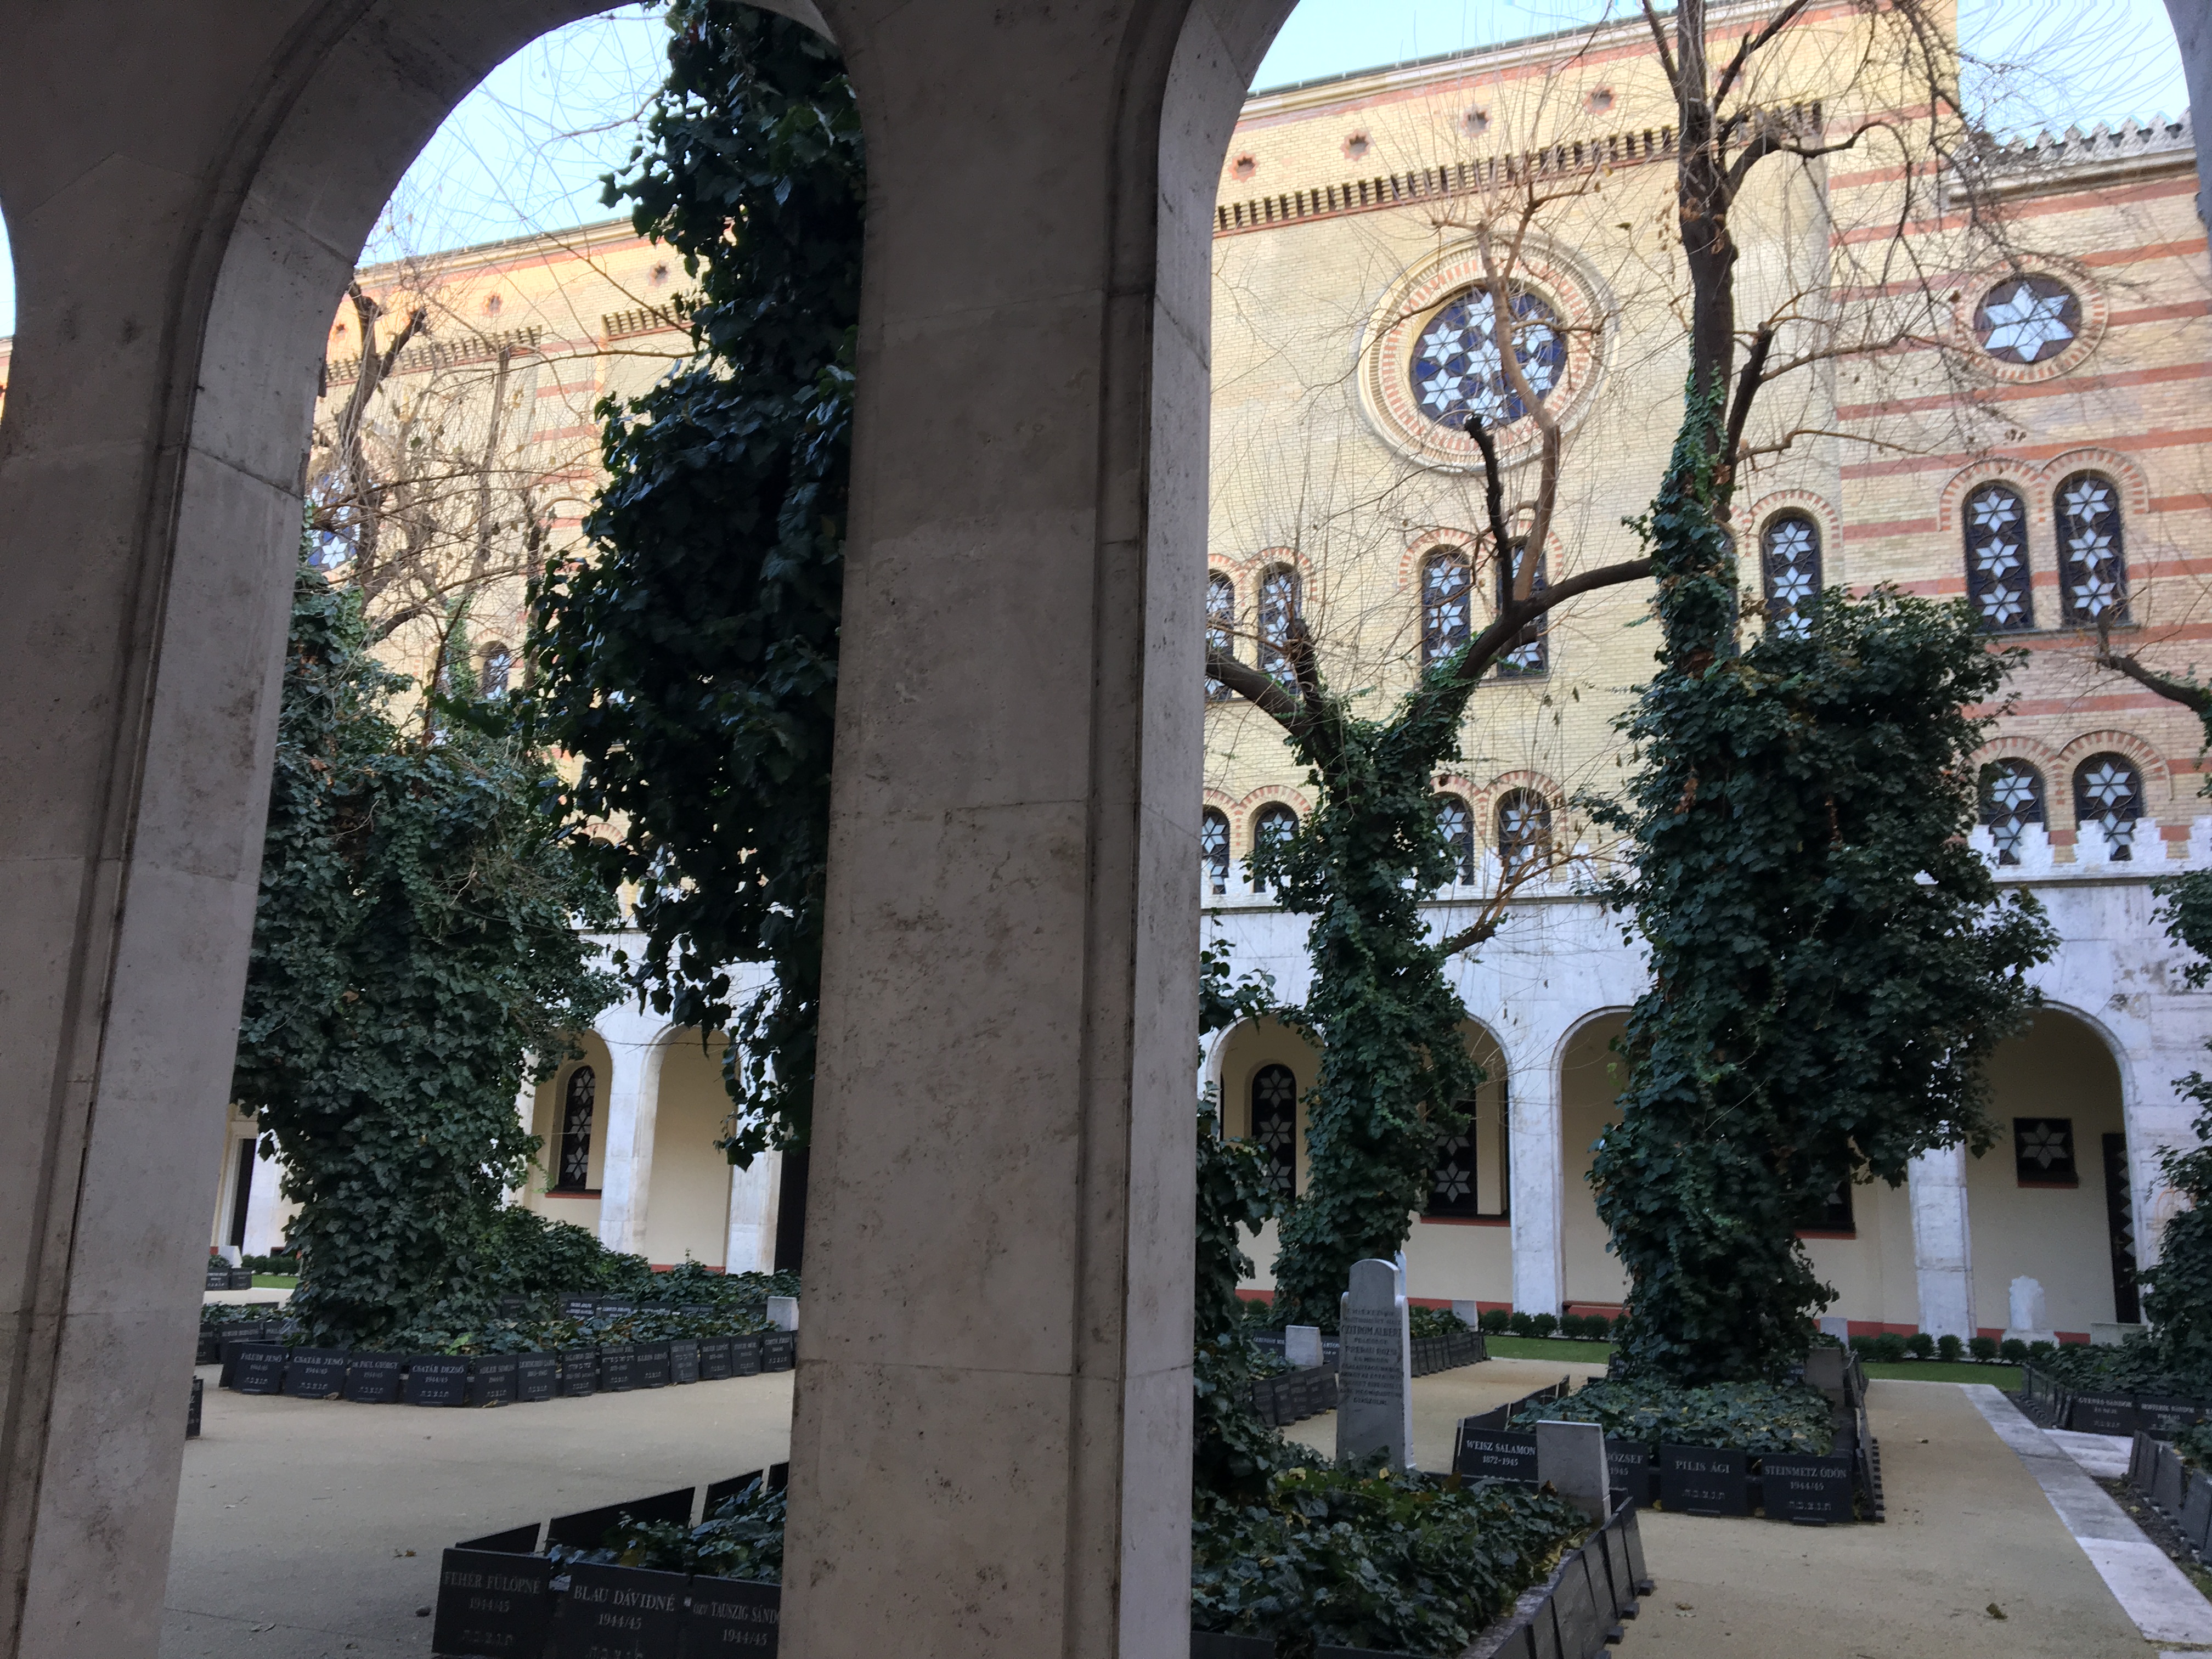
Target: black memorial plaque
[(218, 1276), (2104, 1413), (260, 1367), (1704, 1480), (652, 1365), (2166, 1415), (1497, 1454), (2194, 1523), (616, 1308), (536, 1378), (683, 1360), (714, 1359), (513, 1307), (1631, 1472), (437, 1379), (779, 1351), (1613, 1545), (193, 1411), (515, 1541), (620, 1613), (745, 1355), (579, 1307), (373, 1379), (618, 1369), (732, 1616), (494, 1605), (316, 1374), (1576, 1605), (208, 1352), (241, 1278), (491, 1380), (2169, 1478), (580, 1372), (1810, 1489), (1220, 1644), (230, 1339)]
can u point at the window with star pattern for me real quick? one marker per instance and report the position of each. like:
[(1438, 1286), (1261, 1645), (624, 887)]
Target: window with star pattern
[(1279, 609), (1455, 824), (2012, 800), (2043, 1151), (1524, 829), (1447, 594), (1451, 1182), (2108, 793), (1459, 373), (1789, 568), (2027, 320), (578, 1101), (1220, 625), (1272, 825), (1997, 560), (1530, 656), (2093, 567), (1213, 851), (1275, 1124)]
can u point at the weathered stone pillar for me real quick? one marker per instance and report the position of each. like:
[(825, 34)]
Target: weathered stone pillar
[(626, 1109), (750, 1246), (1942, 1242), (1535, 1131)]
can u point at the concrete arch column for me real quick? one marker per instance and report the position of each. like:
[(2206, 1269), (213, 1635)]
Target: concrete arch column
[(628, 1114), (1534, 1129)]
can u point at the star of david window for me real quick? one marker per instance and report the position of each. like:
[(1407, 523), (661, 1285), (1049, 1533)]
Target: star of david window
[(1451, 1179), (1279, 609), (2092, 568), (1275, 1124), (1447, 594), (1455, 824), (1997, 560), (2108, 793), (2012, 800), (1524, 829), (1220, 625), (1213, 851), (1789, 562), (498, 669), (1272, 826), (1529, 658), (1458, 371), (2043, 1151), (577, 1099), (2027, 320)]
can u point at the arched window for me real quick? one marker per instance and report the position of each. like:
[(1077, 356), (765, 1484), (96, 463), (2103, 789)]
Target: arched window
[(1275, 1124), (1220, 623), (1455, 824), (2093, 566), (1789, 565), (575, 1172), (498, 669), (1272, 826), (2012, 798), (1279, 609), (1524, 829), (1213, 851), (2108, 793), (1529, 658), (1447, 588), (1997, 560)]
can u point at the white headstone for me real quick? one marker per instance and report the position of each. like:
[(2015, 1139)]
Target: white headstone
[(1571, 1456), (1301, 1347), (783, 1312), (1375, 1366), (1837, 1325), (2031, 1317), (1469, 1314)]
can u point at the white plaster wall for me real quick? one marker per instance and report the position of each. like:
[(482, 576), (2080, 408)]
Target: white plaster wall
[(1591, 1079), (690, 1185)]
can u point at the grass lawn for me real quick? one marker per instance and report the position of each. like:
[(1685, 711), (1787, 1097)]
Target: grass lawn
[(276, 1281), (2006, 1377), (1549, 1347)]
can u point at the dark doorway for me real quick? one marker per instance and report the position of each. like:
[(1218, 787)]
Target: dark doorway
[(790, 1212), (241, 1192), (2120, 1216)]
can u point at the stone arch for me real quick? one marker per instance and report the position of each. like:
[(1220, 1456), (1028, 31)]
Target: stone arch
[(547, 1107), (2158, 777), (1246, 1048), (2022, 476), (1590, 1276), (2123, 470)]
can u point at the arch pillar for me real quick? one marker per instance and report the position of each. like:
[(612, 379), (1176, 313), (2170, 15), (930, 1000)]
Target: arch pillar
[(1536, 1132), (628, 1098), (1942, 1241), (755, 1195)]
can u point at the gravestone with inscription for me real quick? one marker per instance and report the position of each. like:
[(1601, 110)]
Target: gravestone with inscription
[(1806, 1489), (684, 1359), (580, 1372), (732, 1616), (579, 1307), (492, 1380), (1570, 1459), (373, 1379), (316, 1374), (1301, 1347), (745, 1355), (651, 1361), (2165, 1414), (260, 1367), (1704, 1480), (1374, 1367), (437, 1379), (783, 1312), (493, 1604), (714, 1359), (618, 1368), (779, 1351), (620, 1613), (536, 1378)]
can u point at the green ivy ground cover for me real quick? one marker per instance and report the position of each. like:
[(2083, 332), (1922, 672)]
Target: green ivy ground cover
[(1756, 1417), (743, 1539)]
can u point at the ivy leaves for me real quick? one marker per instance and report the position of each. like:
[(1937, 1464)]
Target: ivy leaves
[(691, 664), (1831, 965), (417, 936)]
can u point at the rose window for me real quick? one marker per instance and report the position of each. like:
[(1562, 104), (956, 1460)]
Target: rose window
[(1458, 370), (2027, 320)]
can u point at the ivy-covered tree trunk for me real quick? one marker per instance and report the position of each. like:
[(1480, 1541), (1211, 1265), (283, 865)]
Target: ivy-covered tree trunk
[(690, 664), (1831, 965), (416, 947)]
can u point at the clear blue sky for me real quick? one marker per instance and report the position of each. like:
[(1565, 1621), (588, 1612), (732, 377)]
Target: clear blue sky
[(524, 151)]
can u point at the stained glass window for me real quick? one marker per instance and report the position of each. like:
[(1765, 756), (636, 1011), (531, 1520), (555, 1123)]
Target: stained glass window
[(1447, 588), (1791, 565), (1275, 1124), (2027, 320), (1524, 829), (2043, 1151), (1527, 658), (2108, 793), (1213, 851), (1997, 560), (1455, 824), (1272, 826), (2012, 800), (498, 668), (2093, 567), (1451, 1182), (576, 1131), (1220, 625), (1457, 371), (1279, 609)]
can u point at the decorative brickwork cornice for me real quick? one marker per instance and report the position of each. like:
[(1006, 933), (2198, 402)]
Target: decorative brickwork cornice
[(442, 354)]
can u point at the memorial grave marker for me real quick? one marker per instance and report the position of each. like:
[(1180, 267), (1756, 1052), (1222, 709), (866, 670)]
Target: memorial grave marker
[(783, 1312), (1374, 1371), (779, 1351), (1629, 1471), (620, 1613), (745, 1355), (1704, 1480), (1812, 1489), (1301, 1347), (259, 1369), (494, 1605), (536, 1378), (437, 1379), (316, 1374), (652, 1362), (579, 1307), (492, 1380), (618, 1369), (580, 1372), (1497, 1454), (2104, 1413), (1570, 1459), (714, 1359), (732, 1616), (2165, 1414), (683, 1360), (373, 1379)]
